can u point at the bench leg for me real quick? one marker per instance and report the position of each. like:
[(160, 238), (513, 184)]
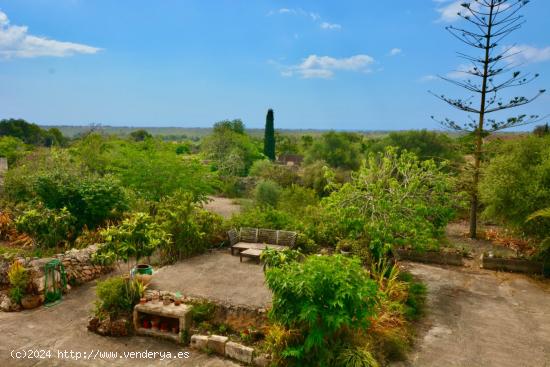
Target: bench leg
[(231, 251), (241, 257)]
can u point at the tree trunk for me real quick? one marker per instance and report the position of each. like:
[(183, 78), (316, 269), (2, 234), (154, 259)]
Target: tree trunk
[(479, 130)]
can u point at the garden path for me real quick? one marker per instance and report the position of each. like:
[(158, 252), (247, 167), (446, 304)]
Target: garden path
[(217, 276), (223, 206), (480, 318), (63, 327)]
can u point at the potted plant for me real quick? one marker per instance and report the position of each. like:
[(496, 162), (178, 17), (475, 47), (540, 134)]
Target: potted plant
[(166, 300), (137, 237), (143, 273)]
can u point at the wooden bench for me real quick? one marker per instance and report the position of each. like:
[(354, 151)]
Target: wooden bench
[(259, 239)]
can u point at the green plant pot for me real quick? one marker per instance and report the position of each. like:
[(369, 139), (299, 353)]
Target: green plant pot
[(144, 269)]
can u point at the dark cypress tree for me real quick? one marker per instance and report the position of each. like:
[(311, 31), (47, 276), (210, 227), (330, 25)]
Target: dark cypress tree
[(269, 137)]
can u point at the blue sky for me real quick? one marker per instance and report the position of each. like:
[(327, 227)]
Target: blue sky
[(319, 64)]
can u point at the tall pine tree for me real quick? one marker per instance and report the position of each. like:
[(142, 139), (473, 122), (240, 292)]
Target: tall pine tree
[(269, 137)]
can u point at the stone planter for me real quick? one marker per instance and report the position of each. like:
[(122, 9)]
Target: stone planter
[(430, 257)]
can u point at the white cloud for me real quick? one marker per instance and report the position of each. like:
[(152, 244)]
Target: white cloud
[(525, 54), (395, 51), (315, 17), (449, 12), (325, 66), (427, 78), (15, 41), (461, 72), (331, 26)]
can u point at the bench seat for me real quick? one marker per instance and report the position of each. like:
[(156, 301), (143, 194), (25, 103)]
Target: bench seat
[(242, 246)]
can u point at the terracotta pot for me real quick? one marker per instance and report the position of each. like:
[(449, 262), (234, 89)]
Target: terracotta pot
[(31, 301), (146, 324), (177, 302), (155, 324), (142, 301), (166, 300)]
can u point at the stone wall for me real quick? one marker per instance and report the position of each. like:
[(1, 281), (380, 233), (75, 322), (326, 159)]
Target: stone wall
[(430, 257), (237, 317), (78, 265), (515, 265)]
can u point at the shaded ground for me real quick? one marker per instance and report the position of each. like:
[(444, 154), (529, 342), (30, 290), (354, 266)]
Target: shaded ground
[(457, 234), (222, 206), (216, 275), (63, 327), (482, 318)]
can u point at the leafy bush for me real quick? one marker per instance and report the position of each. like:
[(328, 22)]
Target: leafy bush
[(117, 295), (267, 193), (355, 357), (425, 144), (394, 200), (544, 245), (19, 280), (48, 227), (12, 148), (277, 258), (202, 311), (31, 133), (326, 299), (516, 183), (267, 217), (295, 199), (338, 149), (230, 148), (282, 175), (91, 200), (136, 237), (192, 229)]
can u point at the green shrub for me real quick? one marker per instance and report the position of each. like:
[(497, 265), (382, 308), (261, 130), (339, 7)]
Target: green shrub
[(192, 229), (276, 258), (424, 144), (338, 149), (394, 200), (326, 299), (90, 199), (117, 295), (19, 280), (295, 199), (202, 312), (267, 193), (48, 227), (136, 237), (283, 175), (516, 183), (12, 148), (355, 357)]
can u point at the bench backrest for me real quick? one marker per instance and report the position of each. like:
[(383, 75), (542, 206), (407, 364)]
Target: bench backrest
[(268, 236), (286, 238), (262, 235), (249, 235)]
